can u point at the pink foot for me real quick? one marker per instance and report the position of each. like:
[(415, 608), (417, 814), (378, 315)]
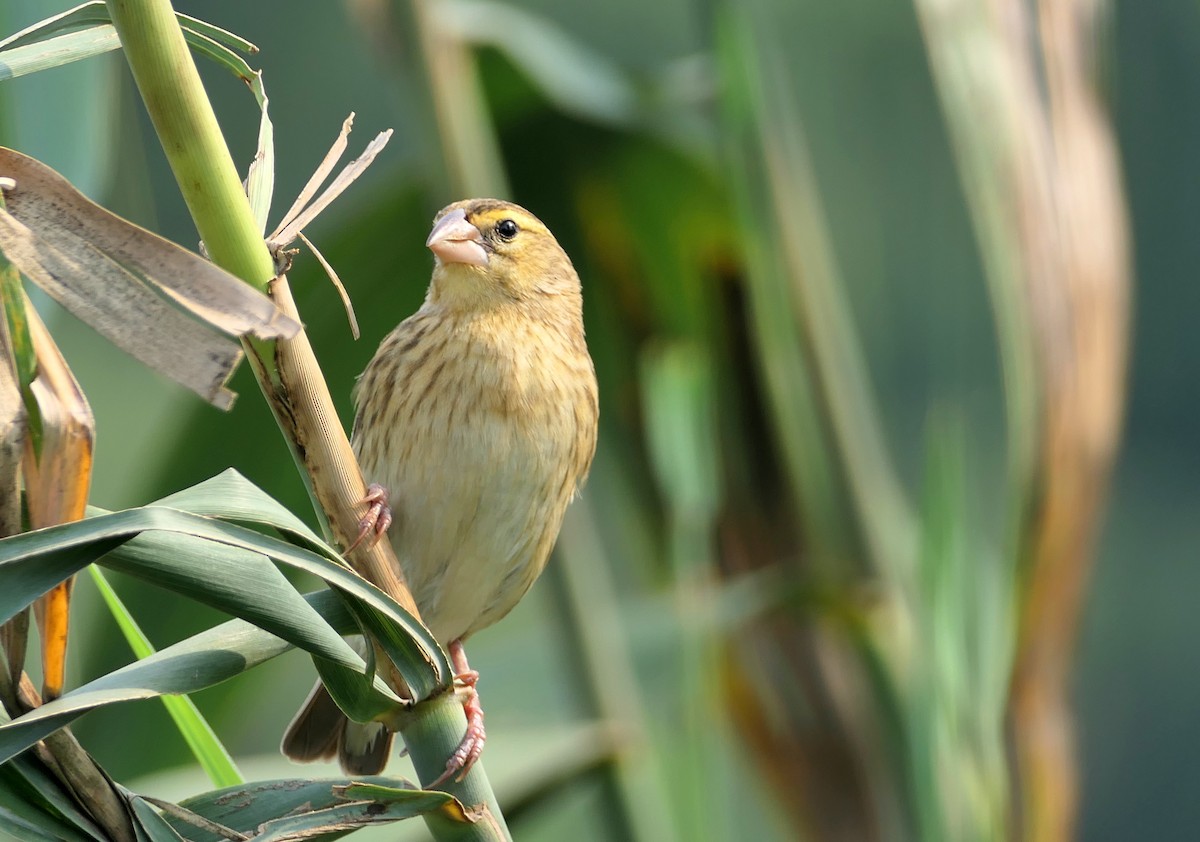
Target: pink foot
[(471, 747), (376, 520)]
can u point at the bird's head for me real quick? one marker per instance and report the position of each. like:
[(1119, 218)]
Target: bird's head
[(489, 253)]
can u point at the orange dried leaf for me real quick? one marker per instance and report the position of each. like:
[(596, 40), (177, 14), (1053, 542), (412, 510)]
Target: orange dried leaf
[(57, 479)]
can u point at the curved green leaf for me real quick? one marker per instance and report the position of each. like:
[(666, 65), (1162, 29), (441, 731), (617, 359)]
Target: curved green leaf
[(87, 30), (222, 565), (356, 814), (172, 555), (193, 664), (62, 49), (230, 496), (80, 17)]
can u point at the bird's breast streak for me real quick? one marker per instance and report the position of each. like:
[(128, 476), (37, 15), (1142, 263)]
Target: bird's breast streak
[(475, 480)]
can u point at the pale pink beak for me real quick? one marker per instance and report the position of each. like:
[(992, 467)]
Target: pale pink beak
[(454, 240)]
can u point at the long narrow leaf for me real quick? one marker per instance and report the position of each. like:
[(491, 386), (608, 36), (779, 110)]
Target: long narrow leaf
[(57, 51), (86, 31), (84, 15)]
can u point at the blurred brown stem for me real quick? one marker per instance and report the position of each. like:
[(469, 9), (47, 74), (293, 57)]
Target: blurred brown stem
[(1083, 346), (1038, 160)]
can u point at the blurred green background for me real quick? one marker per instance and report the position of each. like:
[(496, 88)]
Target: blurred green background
[(624, 162)]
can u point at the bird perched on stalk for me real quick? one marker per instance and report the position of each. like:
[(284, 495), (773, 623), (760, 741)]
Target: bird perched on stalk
[(476, 422)]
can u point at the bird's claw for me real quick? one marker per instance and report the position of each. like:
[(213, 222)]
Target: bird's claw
[(376, 520), (471, 747)]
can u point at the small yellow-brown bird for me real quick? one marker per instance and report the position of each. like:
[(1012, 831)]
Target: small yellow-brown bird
[(478, 416)]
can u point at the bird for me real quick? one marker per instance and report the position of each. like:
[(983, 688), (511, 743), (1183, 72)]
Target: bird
[(475, 425)]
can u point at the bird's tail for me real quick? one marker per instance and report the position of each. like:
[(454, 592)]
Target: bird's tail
[(320, 731)]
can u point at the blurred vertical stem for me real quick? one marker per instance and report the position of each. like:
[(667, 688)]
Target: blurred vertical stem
[(985, 93), (957, 771), (187, 128), (471, 149), (464, 135), (1038, 162), (855, 520), (602, 646), (793, 272), (681, 430)]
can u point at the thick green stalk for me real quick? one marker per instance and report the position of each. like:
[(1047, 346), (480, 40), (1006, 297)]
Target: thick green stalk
[(187, 128), (166, 76), (437, 727)]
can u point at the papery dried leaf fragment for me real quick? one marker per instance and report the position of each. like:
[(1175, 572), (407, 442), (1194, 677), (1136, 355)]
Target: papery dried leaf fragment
[(164, 305)]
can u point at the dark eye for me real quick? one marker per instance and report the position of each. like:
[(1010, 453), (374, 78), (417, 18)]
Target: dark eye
[(507, 229)]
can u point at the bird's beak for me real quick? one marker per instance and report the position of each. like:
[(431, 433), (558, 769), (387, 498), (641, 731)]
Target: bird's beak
[(455, 240)]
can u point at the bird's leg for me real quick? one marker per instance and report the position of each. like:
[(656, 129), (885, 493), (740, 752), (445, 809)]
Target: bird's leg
[(377, 518), (471, 747)]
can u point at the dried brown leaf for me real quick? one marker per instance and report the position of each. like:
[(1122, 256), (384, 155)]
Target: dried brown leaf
[(319, 175), (302, 214), (337, 284), (140, 291), (296, 220)]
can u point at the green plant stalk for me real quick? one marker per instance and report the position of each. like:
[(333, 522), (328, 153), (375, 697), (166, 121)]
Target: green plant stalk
[(205, 746), (987, 159), (208, 180), (440, 723), (187, 128), (12, 302)]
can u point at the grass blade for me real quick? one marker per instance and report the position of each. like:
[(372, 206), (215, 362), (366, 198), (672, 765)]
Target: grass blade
[(193, 727)]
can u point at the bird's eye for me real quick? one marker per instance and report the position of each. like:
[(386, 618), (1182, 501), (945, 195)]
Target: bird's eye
[(507, 229)]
